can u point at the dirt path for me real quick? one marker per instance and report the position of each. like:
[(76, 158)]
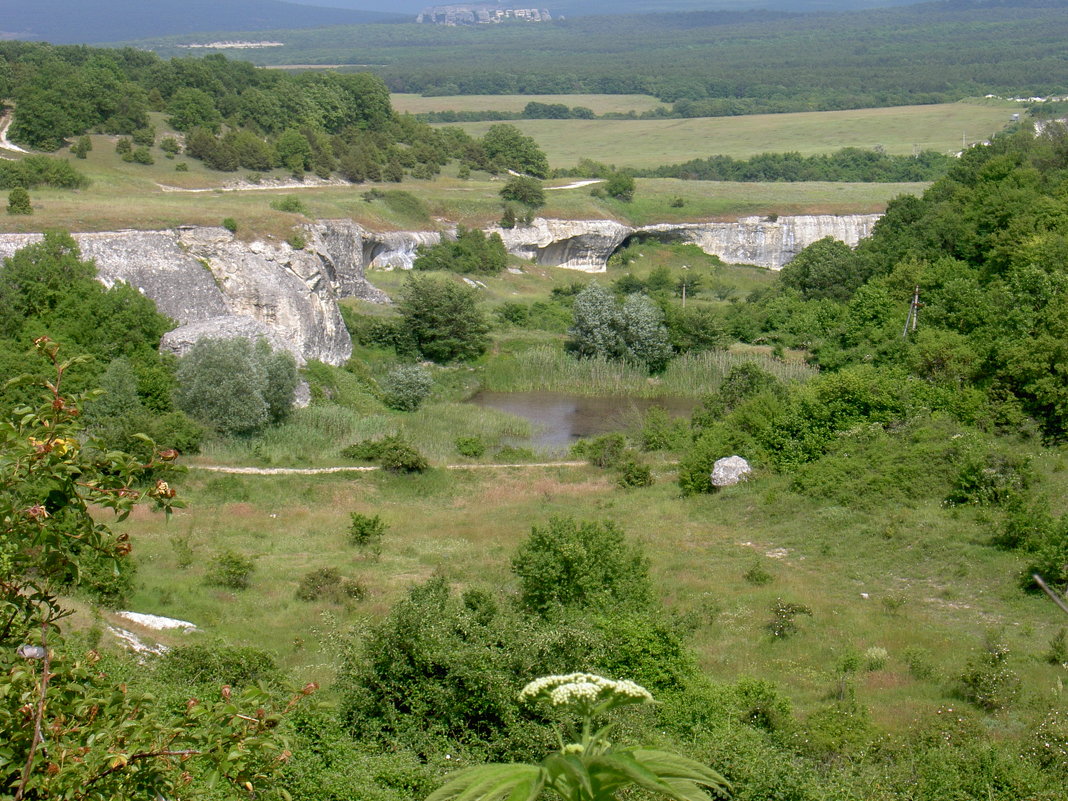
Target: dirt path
[(7, 144), (314, 471)]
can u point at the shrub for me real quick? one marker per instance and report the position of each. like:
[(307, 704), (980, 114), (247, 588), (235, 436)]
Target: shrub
[(218, 664), (18, 201), (783, 622), (524, 189), (406, 386), (170, 146), (181, 166), (366, 532), (991, 479), (236, 386), (291, 204), (633, 473), (580, 564), (1058, 649), (230, 224), (661, 432), (124, 146), (758, 575), (512, 454), (470, 252), (82, 146), (393, 453), (231, 570), (297, 241), (326, 583), (183, 552), (142, 155), (443, 319), (603, 451), (918, 661), (471, 447), (987, 680)]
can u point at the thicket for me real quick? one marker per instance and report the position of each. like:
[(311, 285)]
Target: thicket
[(848, 164), (471, 252), (47, 289)]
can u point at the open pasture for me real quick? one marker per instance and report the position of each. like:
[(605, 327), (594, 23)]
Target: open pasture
[(651, 143), (871, 580), (599, 104)]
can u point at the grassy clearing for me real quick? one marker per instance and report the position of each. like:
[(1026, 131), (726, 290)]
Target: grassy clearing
[(599, 104), (949, 587), (649, 143)]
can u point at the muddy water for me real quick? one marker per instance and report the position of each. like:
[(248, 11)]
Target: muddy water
[(559, 418)]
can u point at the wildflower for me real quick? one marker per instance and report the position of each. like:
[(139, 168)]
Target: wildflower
[(585, 690)]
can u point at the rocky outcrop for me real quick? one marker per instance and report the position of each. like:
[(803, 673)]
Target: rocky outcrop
[(764, 241), (575, 244), (203, 276)]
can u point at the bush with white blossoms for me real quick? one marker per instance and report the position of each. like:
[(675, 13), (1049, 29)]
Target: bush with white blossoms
[(592, 769)]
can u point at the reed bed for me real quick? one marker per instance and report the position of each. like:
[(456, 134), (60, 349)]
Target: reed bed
[(543, 368)]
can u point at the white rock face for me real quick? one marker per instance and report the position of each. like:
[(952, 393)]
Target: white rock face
[(576, 244), (766, 242), (199, 274), (730, 471)]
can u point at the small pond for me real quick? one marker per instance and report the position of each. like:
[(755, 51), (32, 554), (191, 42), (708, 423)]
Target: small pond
[(559, 418)]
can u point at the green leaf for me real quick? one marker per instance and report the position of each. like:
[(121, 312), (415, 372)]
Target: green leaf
[(492, 782)]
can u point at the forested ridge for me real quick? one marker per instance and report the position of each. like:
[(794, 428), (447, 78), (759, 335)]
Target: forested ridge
[(721, 63)]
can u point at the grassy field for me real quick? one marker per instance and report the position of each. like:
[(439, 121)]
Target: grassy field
[(649, 143), (599, 104), (916, 579), (124, 195)]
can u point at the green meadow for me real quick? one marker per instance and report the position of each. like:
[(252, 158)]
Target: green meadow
[(649, 143)]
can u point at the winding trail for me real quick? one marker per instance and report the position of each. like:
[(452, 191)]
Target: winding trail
[(7, 144), (314, 471)]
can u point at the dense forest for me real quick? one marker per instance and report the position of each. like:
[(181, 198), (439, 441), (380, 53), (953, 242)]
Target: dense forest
[(719, 63), (234, 115)]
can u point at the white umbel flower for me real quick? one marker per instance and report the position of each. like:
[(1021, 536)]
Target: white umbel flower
[(584, 689)]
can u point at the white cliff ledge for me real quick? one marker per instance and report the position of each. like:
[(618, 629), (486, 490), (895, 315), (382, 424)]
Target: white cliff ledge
[(215, 285)]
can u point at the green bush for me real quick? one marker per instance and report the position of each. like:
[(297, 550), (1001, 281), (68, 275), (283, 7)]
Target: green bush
[(124, 146), (987, 680), (471, 447), (758, 575), (235, 386), (230, 224), (603, 451), (632, 472), (181, 166), (662, 432), (443, 318), (393, 453), (783, 622), (297, 241), (326, 583), (991, 479), (290, 204), (406, 386), (470, 252), (217, 664), (584, 564), (142, 155), (366, 532), (18, 201), (524, 189), (231, 570)]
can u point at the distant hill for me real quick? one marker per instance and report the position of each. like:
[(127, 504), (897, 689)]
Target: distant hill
[(585, 8), (79, 21)]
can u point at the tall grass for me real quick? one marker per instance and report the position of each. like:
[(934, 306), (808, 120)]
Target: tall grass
[(316, 435), (690, 375)]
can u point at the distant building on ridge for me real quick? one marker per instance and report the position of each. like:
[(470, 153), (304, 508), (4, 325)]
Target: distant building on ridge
[(480, 14)]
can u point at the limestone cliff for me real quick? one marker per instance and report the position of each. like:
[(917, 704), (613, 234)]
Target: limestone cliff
[(763, 241), (200, 275), (214, 284)]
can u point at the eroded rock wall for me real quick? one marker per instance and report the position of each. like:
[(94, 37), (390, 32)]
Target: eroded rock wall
[(205, 278)]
